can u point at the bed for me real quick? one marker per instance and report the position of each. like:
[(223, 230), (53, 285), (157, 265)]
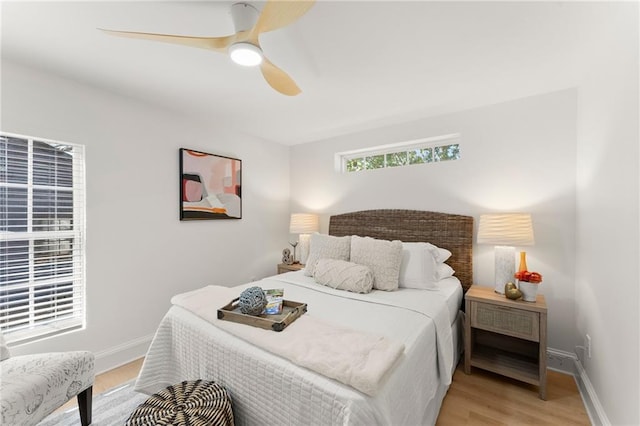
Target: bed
[(269, 389)]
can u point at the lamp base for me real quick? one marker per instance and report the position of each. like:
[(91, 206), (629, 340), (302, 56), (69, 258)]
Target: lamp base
[(294, 245), (305, 239), (505, 267)]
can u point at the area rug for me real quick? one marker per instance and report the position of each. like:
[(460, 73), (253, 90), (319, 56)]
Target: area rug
[(110, 408)]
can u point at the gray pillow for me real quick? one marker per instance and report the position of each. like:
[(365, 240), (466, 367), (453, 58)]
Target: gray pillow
[(323, 246), (382, 256), (343, 275)]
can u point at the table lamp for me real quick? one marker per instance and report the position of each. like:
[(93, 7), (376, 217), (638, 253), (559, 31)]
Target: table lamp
[(303, 224), (504, 231)]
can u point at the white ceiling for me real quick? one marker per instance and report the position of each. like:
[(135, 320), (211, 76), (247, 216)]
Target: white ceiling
[(360, 64)]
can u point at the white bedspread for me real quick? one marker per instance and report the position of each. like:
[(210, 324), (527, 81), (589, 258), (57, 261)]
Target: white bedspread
[(267, 389), (351, 357)]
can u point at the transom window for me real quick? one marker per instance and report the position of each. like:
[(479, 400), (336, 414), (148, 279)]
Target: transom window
[(42, 227), (422, 151)]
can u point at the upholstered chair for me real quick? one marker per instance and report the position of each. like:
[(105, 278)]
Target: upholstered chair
[(33, 386)]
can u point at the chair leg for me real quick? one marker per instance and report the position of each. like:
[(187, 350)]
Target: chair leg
[(85, 399)]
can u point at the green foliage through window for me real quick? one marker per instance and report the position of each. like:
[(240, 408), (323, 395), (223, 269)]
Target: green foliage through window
[(401, 157), (395, 159)]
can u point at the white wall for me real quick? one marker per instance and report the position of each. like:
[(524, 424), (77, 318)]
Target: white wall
[(138, 252), (516, 156), (607, 296)]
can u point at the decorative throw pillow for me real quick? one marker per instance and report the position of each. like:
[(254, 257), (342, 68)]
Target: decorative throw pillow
[(343, 275), (383, 257), (418, 267), (4, 349), (444, 271), (323, 246)]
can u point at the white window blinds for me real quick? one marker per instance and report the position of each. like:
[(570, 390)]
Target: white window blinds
[(42, 226)]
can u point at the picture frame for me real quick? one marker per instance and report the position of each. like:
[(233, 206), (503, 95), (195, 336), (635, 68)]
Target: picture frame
[(210, 186)]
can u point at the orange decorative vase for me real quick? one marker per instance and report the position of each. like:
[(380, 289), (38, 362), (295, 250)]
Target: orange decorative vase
[(523, 261)]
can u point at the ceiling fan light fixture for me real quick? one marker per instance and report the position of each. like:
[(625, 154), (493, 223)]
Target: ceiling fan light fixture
[(245, 54)]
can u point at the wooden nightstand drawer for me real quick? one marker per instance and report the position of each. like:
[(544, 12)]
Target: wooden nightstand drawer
[(506, 320)]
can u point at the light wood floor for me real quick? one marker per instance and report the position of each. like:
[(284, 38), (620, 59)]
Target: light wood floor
[(481, 398), (117, 376), (110, 380), (484, 398)]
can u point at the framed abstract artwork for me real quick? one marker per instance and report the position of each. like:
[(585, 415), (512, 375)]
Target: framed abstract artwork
[(210, 186)]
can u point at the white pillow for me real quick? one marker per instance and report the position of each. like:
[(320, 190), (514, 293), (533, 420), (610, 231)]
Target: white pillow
[(441, 255), (328, 247), (382, 256), (444, 271), (343, 275), (418, 268), (4, 349)]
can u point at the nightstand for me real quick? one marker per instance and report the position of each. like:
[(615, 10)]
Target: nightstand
[(507, 337), (283, 267)]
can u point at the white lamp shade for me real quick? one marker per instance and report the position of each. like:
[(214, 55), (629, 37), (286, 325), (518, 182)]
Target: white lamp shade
[(506, 229), (303, 223)]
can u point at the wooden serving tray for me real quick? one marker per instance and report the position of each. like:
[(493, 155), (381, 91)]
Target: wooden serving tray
[(290, 312)]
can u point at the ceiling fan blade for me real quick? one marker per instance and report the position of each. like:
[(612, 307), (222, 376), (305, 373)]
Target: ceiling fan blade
[(277, 14), (278, 79), (218, 44)]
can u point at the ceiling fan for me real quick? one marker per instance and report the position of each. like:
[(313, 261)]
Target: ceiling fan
[(244, 47)]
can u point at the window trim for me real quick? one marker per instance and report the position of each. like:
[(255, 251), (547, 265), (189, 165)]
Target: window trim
[(77, 318), (341, 158)]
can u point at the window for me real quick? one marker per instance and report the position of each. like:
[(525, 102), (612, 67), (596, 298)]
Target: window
[(41, 237), (441, 148)]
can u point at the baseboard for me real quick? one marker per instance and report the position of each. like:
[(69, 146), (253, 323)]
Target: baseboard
[(564, 362), (567, 362), (122, 354), (590, 398)]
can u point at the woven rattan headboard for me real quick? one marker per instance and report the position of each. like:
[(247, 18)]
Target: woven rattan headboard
[(450, 231)]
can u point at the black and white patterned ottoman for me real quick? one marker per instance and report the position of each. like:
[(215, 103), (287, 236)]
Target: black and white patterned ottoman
[(192, 403)]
